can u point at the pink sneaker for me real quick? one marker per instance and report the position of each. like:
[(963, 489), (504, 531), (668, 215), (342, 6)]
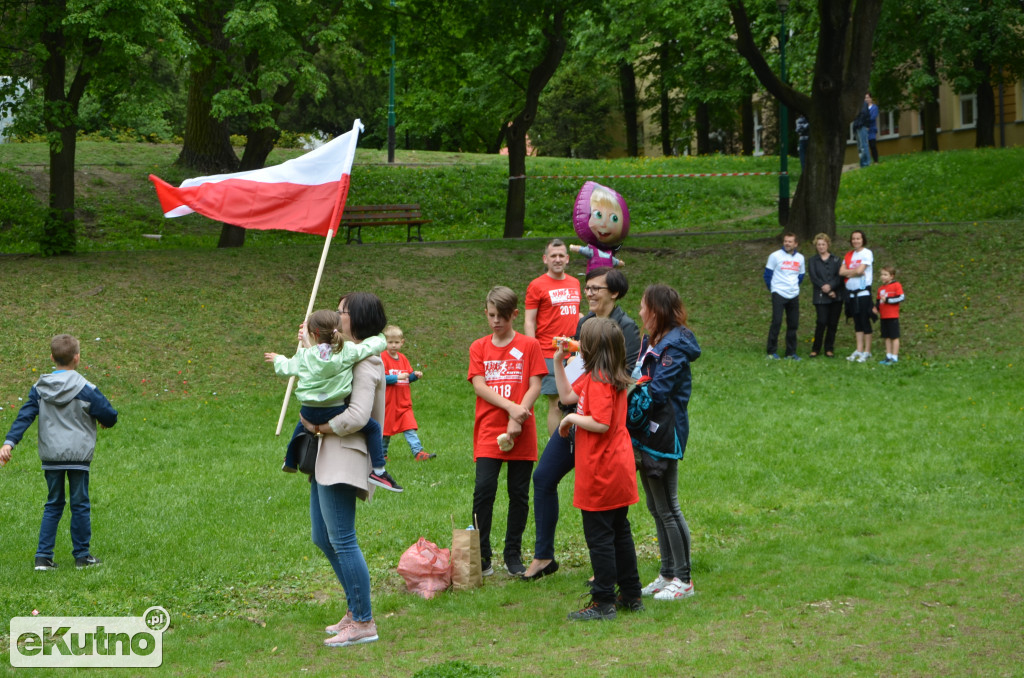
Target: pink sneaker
[(356, 634), (335, 629), (676, 590)]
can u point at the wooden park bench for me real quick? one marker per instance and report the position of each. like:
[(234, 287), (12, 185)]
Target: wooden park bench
[(359, 217)]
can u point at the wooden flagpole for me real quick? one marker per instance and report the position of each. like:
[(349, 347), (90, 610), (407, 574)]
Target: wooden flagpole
[(309, 309), (339, 206)]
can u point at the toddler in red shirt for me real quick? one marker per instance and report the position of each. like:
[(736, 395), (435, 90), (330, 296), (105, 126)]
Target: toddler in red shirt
[(605, 470), (398, 416), (890, 296)]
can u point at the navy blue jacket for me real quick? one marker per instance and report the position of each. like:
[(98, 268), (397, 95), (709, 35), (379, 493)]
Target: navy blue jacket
[(668, 366)]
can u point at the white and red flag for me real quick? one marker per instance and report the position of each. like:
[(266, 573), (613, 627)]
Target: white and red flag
[(306, 194)]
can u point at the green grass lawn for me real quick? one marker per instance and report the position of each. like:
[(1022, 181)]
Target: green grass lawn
[(847, 519)]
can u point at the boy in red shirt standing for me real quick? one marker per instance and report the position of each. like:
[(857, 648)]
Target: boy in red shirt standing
[(890, 295), (398, 374), (506, 369)]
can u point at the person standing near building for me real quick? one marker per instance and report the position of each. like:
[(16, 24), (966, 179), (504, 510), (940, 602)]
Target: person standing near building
[(861, 125), (783, 274), (872, 127)]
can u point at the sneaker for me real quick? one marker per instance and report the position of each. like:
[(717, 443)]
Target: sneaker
[(863, 357), (886, 361), (423, 456), (593, 612), (356, 634), (629, 605), (45, 564), (793, 357), (675, 590), (514, 564), (655, 586), (87, 561), (486, 569), (335, 629), (288, 469), (854, 356), (774, 356), (386, 481)]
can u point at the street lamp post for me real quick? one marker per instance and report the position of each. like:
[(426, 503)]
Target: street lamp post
[(783, 125), (391, 102)]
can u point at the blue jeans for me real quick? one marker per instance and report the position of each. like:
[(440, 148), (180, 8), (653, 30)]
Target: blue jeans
[(332, 511), (322, 415), (81, 523), (554, 464), (862, 147), (410, 437)]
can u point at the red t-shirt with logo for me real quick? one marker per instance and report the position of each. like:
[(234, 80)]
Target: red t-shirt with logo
[(558, 308), (605, 470), (398, 415), (892, 290), (507, 370)]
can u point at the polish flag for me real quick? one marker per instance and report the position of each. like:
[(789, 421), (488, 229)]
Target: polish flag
[(306, 194)]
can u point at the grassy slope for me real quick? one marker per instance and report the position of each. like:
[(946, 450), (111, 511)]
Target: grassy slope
[(465, 194)]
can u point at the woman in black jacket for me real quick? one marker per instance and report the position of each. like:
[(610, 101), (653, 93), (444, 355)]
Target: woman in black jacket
[(828, 295)]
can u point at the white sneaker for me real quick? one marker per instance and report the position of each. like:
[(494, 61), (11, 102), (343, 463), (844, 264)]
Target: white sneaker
[(853, 356), (675, 590), (655, 586), (863, 357)]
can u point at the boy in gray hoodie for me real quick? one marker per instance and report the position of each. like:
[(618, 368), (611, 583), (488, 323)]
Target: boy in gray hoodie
[(68, 408)]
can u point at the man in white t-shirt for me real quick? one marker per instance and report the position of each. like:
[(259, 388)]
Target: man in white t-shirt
[(783, 274)]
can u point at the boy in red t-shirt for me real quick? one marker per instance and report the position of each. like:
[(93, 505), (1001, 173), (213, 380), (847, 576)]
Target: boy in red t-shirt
[(605, 469), (890, 296), (506, 369), (398, 374)]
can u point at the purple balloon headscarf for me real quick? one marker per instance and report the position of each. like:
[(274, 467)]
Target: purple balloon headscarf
[(600, 216)]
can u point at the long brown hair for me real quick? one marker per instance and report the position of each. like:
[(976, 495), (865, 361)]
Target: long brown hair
[(604, 352), (664, 304), (322, 328)]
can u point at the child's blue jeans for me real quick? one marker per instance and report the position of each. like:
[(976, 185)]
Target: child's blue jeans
[(322, 415), (56, 498)]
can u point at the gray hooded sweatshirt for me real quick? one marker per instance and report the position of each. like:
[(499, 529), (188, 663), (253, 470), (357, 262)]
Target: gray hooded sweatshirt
[(68, 407)]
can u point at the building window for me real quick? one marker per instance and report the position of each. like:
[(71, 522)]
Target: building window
[(888, 124), (968, 110)]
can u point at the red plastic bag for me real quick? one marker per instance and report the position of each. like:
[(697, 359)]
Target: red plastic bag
[(426, 568)]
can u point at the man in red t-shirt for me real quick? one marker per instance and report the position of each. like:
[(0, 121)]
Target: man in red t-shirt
[(552, 310), (506, 369)]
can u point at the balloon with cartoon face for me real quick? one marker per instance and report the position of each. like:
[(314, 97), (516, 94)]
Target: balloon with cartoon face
[(601, 219), (600, 216)]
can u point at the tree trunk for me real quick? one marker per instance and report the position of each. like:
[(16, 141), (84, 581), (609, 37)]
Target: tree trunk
[(207, 144), (515, 134), (259, 144), (841, 74), (985, 131), (627, 85), (665, 104), (930, 112), (60, 114), (747, 123), (703, 124)]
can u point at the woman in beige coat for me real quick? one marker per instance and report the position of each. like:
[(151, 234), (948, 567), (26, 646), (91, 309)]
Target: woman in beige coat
[(342, 474)]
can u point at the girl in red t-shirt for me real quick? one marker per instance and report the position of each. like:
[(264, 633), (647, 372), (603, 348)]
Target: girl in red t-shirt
[(605, 470)]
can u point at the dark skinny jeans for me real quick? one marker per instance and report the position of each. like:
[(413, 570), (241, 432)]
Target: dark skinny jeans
[(555, 463)]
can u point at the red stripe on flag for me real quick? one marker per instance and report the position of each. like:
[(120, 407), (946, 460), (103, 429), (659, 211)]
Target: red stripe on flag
[(259, 205)]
